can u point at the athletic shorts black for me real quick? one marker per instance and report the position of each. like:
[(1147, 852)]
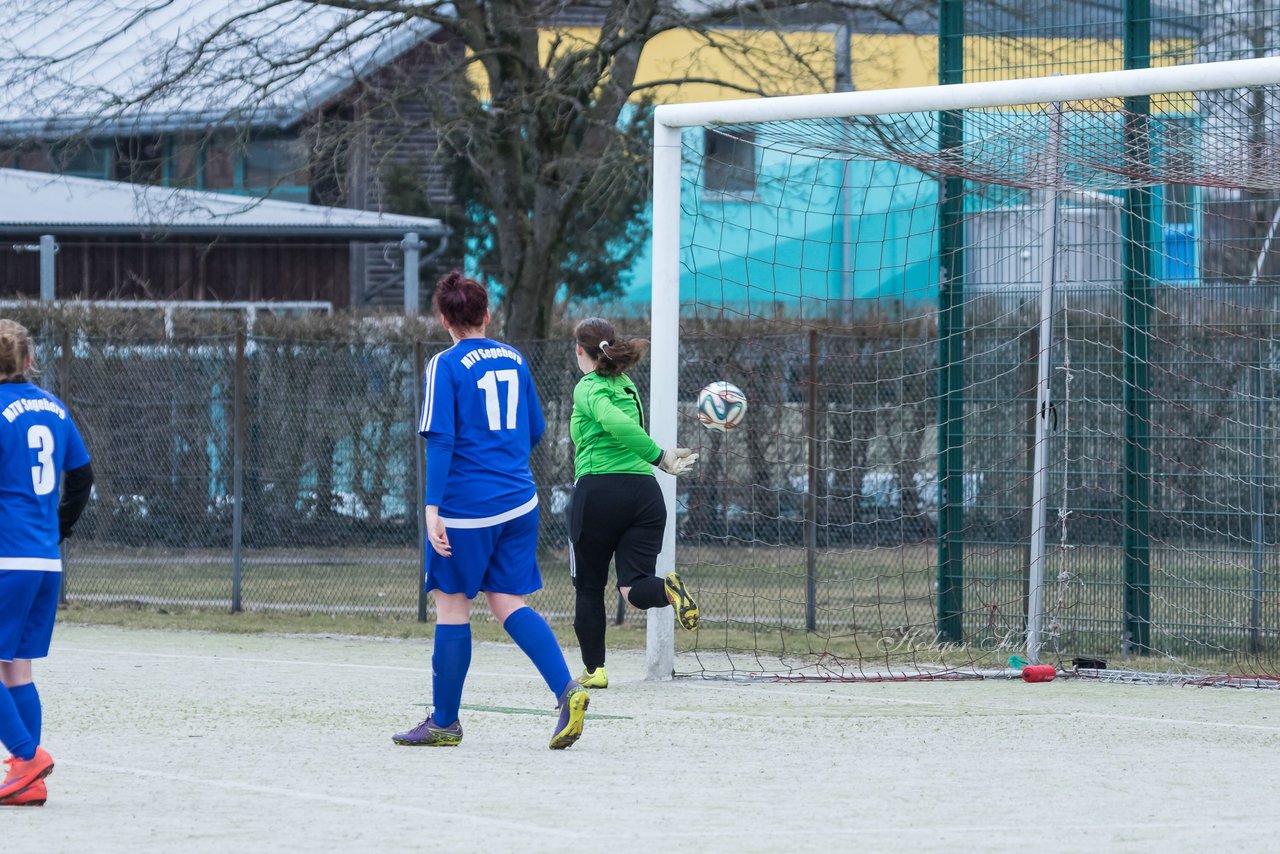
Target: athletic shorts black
[(619, 517)]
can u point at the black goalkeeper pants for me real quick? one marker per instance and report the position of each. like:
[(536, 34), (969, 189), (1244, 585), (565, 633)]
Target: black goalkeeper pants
[(618, 518)]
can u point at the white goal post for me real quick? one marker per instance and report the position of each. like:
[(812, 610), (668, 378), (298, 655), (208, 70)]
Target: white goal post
[(671, 120)]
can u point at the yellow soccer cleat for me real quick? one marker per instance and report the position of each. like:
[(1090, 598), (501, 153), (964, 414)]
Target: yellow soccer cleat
[(680, 598), (594, 678), (573, 710)]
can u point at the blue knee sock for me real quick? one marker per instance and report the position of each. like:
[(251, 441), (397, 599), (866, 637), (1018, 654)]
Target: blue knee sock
[(13, 732), (27, 699), (450, 660), (532, 634)]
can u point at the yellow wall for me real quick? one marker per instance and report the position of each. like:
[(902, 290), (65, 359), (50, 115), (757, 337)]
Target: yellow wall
[(799, 63), (792, 63), (802, 62)]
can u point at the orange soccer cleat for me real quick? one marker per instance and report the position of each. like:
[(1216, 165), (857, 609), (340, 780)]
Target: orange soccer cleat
[(24, 773), (32, 796)]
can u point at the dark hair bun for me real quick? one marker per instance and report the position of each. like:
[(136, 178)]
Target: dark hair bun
[(461, 300)]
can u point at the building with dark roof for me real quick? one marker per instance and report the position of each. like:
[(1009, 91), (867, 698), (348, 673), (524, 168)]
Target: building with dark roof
[(115, 240), (262, 115)]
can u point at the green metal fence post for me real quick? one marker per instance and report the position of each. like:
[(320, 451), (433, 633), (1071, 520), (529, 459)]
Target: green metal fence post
[(951, 341), (238, 438), (64, 392), (1137, 258), (811, 498), (420, 480), (1259, 494)]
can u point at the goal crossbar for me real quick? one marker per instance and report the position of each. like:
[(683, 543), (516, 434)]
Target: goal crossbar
[(1199, 77)]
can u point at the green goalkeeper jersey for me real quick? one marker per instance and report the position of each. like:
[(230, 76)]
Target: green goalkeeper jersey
[(608, 428)]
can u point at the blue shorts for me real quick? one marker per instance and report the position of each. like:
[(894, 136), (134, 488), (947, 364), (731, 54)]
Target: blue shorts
[(501, 558), (28, 607)]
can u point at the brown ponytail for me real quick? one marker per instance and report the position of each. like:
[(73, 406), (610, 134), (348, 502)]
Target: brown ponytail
[(614, 356), (15, 349)]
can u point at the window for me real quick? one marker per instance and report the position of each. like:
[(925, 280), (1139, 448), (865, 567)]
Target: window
[(1178, 159), (184, 162), (275, 167), (31, 158), (219, 169), (84, 159), (1178, 204), (275, 163), (729, 163), (138, 160)]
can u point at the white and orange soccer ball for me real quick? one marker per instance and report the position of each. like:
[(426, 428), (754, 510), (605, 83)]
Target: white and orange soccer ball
[(721, 406)]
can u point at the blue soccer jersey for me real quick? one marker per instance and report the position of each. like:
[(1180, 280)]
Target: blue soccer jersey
[(38, 442), (481, 418)]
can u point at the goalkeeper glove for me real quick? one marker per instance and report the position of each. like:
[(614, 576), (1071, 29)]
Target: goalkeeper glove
[(677, 461)]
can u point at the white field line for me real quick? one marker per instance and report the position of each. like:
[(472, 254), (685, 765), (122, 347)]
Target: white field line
[(892, 828), (487, 820), (236, 659), (254, 607), (1001, 710)]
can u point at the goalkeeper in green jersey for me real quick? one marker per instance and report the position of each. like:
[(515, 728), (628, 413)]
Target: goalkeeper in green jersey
[(617, 511)]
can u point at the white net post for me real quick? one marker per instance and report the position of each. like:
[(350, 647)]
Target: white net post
[(664, 367), (1044, 402)]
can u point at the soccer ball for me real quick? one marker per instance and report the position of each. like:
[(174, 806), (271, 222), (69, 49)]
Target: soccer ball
[(721, 406)]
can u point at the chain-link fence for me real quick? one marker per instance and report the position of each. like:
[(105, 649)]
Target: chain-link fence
[(317, 441), (264, 473), (1007, 39), (818, 518)]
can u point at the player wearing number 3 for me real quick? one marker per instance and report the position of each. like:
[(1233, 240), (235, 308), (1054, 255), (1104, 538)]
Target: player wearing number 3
[(39, 443), (617, 512), (481, 418)]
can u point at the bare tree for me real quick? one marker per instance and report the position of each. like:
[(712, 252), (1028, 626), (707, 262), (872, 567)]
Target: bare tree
[(539, 118)]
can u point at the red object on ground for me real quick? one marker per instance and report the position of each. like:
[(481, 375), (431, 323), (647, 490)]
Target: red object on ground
[(1039, 673)]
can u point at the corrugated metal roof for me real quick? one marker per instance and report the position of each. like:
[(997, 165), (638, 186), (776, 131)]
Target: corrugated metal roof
[(67, 64), (35, 202)]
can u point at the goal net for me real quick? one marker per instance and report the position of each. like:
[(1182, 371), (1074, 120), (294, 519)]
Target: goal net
[(1010, 352)]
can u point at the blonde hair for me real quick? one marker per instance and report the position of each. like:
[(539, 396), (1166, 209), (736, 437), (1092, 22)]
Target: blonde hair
[(16, 349)]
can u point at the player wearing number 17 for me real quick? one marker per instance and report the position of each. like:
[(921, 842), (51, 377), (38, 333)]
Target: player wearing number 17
[(481, 418), (39, 443)]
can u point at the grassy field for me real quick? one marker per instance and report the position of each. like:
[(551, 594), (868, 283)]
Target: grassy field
[(386, 625), (872, 608)]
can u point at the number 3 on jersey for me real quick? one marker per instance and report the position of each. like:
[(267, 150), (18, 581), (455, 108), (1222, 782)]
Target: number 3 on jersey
[(489, 384), (40, 440)]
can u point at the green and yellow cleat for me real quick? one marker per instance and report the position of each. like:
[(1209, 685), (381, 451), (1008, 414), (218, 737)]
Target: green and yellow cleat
[(573, 710), (680, 598), (594, 678), (430, 734)]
